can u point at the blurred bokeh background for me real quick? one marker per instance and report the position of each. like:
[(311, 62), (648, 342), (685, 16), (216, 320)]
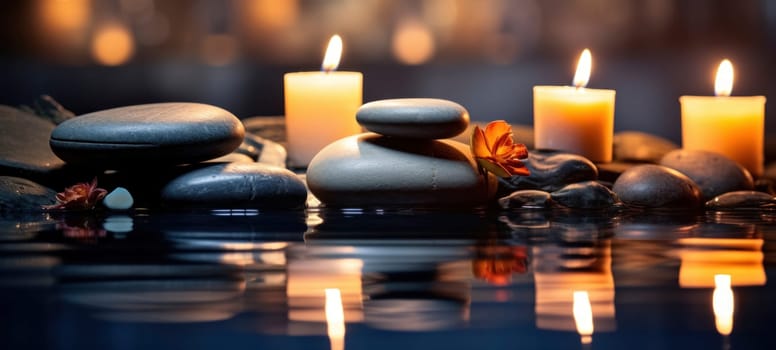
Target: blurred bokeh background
[(484, 54)]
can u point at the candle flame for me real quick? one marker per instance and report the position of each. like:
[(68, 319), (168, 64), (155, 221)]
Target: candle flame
[(723, 85), (722, 302), (335, 318), (582, 76), (333, 53), (583, 316)]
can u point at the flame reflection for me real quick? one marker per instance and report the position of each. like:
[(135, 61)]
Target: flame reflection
[(723, 304), (335, 318), (583, 316)]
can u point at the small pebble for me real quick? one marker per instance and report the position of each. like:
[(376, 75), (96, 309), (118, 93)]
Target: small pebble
[(118, 199), (742, 200), (525, 199), (714, 173), (656, 186), (585, 195)]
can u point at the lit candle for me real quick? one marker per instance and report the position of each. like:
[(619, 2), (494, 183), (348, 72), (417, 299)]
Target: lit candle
[(573, 118), (320, 106), (731, 126)]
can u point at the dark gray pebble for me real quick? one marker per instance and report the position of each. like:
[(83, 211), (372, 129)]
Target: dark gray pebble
[(585, 195), (714, 173), (656, 186), (742, 200)]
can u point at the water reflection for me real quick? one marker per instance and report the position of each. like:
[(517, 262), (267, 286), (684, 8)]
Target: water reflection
[(564, 268), (545, 275)]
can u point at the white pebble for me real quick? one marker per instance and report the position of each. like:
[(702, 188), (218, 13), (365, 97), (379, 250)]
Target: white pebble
[(119, 199)]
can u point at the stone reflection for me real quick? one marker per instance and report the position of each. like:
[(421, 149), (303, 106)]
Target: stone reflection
[(563, 272)]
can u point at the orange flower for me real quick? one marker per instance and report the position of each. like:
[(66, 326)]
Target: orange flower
[(84, 195), (495, 151), (497, 263)]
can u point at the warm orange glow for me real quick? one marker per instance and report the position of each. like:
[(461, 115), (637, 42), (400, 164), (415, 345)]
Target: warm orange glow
[(219, 49), (333, 53), (308, 280), (723, 84), (723, 304), (559, 272), (64, 15), (413, 43), (702, 258), (272, 14), (582, 76), (335, 319), (583, 316), (113, 45)]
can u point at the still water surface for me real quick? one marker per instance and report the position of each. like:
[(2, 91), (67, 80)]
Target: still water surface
[(354, 279)]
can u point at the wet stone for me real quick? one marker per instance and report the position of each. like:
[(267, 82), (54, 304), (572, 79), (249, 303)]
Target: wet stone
[(551, 171), (742, 200), (418, 118), (22, 195), (236, 185), (635, 146), (24, 144), (714, 173), (526, 199), (655, 186), (161, 134), (585, 195)]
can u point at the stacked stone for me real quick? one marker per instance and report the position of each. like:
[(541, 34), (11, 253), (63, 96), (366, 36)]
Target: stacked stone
[(190, 154), (405, 160)]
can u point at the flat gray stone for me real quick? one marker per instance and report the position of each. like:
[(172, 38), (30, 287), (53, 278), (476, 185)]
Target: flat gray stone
[(552, 170), (742, 200), (22, 195), (162, 133), (24, 143), (368, 170), (714, 173), (236, 185), (417, 118), (636, 146), (526, 199), (656, 186), (585, 195)]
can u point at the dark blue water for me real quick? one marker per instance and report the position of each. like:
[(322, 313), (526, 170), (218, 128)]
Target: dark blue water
[(406, 280)]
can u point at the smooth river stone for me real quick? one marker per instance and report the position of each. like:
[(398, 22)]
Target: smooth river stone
[(162, 133), (585, 195), (656, 186), (417, 118), (552, 170), (236, 185), (24, 148), (529, 199), (742, 200), (369, 170), (714, 173), (22, 195)]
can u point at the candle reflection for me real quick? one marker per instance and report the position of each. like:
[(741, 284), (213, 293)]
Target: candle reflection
[(723, 304), (567, 275), (335, 318), (703, 258), (583, 316)]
